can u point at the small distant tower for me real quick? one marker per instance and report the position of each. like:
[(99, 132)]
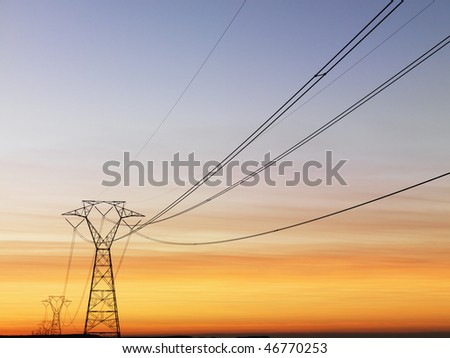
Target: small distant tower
[(56, 303), (102, 317)]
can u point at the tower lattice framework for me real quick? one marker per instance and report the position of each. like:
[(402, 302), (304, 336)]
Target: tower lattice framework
[(102, 316), (56, 303)]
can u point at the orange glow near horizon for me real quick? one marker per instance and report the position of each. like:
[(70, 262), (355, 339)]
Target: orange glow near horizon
[(312, 288)]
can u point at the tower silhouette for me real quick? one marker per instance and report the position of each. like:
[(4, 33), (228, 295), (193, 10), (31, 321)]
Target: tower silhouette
[(102, 317), (56, 303)]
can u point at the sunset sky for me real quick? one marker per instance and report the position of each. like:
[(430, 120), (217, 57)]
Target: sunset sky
[(82, 82)]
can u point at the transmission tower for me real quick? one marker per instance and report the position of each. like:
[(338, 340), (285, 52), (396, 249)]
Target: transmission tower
[(102, 317), (56, 303)]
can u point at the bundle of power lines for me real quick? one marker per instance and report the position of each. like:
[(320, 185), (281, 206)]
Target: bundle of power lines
[(273, 119)]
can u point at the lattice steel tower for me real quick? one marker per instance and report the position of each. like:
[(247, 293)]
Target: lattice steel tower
[(56, 303), (102, 317)]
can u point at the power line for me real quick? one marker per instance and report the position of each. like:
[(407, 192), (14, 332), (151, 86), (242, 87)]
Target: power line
[(301, 223), (125, 248), (75, 233), (327, 125), (357, 62), (192, 80), (321, 90), (122, 256), (75, 227), (316, 78), (186, 88), (325, 87), (88, 277), (432, 51), (69, 264)]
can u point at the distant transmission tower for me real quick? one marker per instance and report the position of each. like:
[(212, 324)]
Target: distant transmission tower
[(102, 317), (56, 303)]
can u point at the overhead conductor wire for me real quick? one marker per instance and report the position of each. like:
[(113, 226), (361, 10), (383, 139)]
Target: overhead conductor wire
[(304, 89), (324, 127), (439, 46), (186, 88), (301, 223)]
